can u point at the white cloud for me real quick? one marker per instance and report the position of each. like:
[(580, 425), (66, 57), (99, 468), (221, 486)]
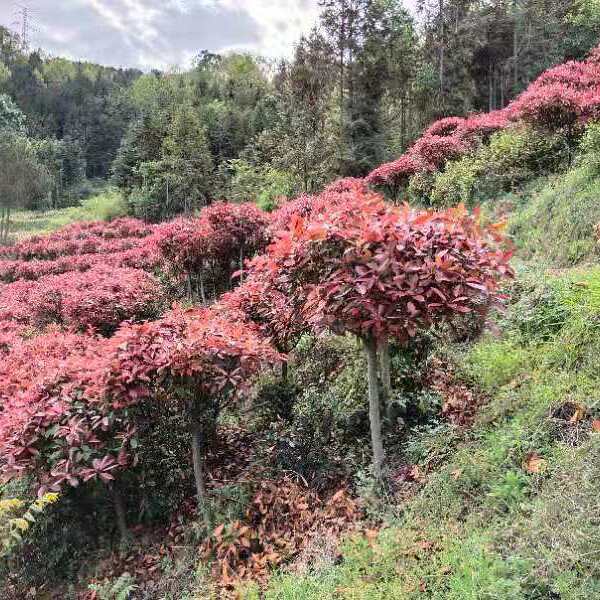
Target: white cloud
[(160, 33), (280, 22)]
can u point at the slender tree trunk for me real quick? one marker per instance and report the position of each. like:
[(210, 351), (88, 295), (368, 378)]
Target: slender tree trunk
[(188, 285), (442, 49), (490, 89), (2, 225), (120, 513), (198, 462), (386, 378), (7, 224), (284, 371), (202, 292), (374, 408), (402, 122), (515, 56)]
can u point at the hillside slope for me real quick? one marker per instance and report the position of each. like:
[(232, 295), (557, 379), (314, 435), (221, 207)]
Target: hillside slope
[(491, 422), (508, 506)]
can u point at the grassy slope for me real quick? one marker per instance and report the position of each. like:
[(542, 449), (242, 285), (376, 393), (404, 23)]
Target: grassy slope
[(510, 508), (482, 526), (102, 206)]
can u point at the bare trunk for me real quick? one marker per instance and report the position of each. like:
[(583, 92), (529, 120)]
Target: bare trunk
[(374, 409), (198, 461), (202, 292), (386, 377), (402, 122), (120, 513), (515, 56), (2, 225), (188, 285), (442, 58), (490, 89), (284, 371), (241, 264)]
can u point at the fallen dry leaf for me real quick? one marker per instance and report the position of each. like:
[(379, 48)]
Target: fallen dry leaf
[(456, 474), (534, 463), (596, 425), (579, 414)]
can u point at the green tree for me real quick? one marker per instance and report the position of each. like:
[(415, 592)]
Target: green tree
[(11, 116), (180, 180), (24, 181)]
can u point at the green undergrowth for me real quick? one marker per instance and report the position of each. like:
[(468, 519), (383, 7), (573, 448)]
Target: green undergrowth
[(554, 219), (102, 206), (510, 510), (556, 224)]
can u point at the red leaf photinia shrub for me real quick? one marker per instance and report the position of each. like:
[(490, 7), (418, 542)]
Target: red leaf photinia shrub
[(377, 271), (552, 106), (445, 127), (201, 359), (436, 150), (143, 257), (51, 392), (484, 125), (346, 184), (101, 297), (63, 391), (257, 301), (214, 245), (374, 270)]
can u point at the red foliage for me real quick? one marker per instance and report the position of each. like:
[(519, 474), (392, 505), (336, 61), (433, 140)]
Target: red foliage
[(552, 106), (63, 392), (183, 244), (305, 206), (239, 230), (70, 239), (208, 349), (214, 244), (141, 257), (429, 153), (258, 301), (397, 172), (594, 56), (81, 238), (485, 124), (301, 206), (10, 334), (51, 395), (576, 75), (373, 270), (561, 97), (445, 127), (437, 150), (282, 520), (101, 298), (347, 184)]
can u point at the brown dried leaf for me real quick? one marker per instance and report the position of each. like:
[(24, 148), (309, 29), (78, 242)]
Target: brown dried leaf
[(534, 463)]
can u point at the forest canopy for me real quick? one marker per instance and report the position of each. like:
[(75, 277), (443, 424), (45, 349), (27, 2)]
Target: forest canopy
[(357, 91)]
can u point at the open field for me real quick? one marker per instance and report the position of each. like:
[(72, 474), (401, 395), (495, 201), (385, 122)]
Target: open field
[(103, 206)]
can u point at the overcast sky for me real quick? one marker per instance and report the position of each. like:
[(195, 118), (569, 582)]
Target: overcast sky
[(162, 33)]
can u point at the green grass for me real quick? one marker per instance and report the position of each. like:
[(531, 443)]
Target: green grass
[(100, 207), (556, 224), (483, 526)]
